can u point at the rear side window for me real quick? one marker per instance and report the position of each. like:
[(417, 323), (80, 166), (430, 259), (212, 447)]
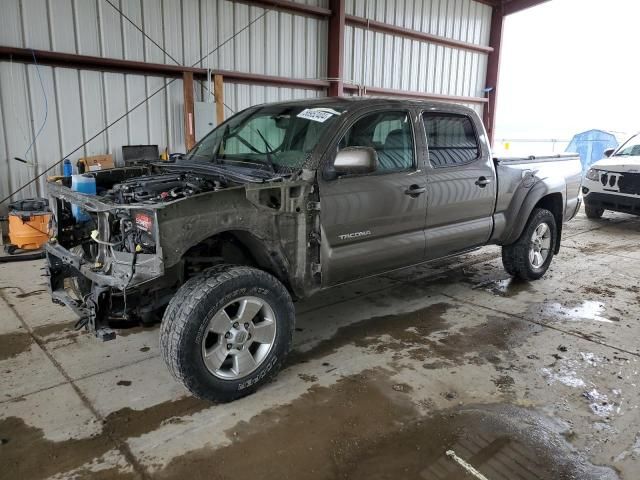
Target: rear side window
[(451, 139)]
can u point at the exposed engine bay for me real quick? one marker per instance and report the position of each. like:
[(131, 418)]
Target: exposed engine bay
[(164, 187), (131, 236)]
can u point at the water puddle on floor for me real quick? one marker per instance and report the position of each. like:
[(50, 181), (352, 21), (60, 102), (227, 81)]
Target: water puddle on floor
[(508, 287), (587, 310), (363, 428)]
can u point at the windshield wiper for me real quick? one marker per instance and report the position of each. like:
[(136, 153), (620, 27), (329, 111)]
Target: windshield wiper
[(269, 151)]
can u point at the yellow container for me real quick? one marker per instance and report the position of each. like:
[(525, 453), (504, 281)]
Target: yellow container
[(29, 230)]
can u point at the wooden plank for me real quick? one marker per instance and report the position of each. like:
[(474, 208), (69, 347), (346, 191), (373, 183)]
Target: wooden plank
[(189, 127), (218, 91)]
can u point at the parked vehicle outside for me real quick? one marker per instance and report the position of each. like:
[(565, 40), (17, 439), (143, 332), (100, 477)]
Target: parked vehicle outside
[(613, 183), (284, 200)]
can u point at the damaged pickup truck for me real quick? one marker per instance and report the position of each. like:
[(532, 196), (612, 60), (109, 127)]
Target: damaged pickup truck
[(281, 201)]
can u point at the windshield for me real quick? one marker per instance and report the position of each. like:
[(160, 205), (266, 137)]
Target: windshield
[(273, 137), (630, 147)]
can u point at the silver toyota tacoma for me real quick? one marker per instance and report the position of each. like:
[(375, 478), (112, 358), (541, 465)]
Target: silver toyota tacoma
[(281, 201)]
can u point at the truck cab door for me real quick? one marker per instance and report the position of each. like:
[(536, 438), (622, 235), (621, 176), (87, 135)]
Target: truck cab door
[(374, 222), (461, 184)]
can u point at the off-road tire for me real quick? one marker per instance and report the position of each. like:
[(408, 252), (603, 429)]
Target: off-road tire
[(515, 257), (593, 212), (186, 318)]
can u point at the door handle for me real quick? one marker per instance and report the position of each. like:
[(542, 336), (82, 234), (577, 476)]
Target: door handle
[(483, 182), (415, 190)]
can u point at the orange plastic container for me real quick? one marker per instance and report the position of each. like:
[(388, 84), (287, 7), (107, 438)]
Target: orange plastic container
[(29, 230)]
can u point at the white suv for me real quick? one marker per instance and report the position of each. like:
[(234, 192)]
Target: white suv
[(613, 183)]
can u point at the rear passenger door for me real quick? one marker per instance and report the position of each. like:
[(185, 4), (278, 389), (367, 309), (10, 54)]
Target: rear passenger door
[(461, 185), (375, 222)]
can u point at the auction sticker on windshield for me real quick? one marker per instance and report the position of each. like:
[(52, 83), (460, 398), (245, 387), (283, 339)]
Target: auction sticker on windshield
[(316, 114)]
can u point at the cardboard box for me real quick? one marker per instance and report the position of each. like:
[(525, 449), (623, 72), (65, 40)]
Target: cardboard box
[(97, 162)]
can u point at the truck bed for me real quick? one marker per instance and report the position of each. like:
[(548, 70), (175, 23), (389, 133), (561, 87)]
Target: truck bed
[(519, 178)]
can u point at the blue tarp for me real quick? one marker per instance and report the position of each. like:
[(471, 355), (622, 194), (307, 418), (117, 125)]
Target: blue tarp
[(591, 145)]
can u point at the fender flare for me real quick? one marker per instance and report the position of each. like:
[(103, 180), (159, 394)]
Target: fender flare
[(537, 192)]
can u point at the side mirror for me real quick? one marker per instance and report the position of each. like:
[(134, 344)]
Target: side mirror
[(608, 152), (355, 160)]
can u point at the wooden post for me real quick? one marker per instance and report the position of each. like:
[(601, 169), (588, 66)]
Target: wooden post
[(189, 120), (218, 92)]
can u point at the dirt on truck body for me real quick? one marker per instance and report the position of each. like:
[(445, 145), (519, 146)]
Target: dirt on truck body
[(283, 200)]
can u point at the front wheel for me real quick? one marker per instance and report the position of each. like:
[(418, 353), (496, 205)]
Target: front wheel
[(593, 212), (227, 331), (530, 256)]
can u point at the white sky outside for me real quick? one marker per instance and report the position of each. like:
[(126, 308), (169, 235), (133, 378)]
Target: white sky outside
[(570, 66)]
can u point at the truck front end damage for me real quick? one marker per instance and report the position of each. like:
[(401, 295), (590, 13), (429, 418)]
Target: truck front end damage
[(146, 232), (99, 268)]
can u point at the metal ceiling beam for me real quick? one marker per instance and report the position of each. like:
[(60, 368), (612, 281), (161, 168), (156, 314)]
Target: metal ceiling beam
[(515, 6), (490, 3), (413, 94), (86, 62), (292, 7), (414, 34)]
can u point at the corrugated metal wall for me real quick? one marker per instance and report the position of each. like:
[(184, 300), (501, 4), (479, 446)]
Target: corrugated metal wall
[(78, 104), (388, 61)]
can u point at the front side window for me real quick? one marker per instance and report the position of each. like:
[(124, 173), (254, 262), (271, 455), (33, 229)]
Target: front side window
[(282, 135), (389, 134), (451, 139)]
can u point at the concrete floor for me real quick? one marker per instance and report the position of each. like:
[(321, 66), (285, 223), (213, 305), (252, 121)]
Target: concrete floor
[(519, 380)]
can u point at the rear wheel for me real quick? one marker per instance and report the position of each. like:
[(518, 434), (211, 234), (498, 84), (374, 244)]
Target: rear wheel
[(593, 212), (226, 332), (530, 256)]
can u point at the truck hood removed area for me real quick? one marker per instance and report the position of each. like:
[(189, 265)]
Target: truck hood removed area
[(159, 185)]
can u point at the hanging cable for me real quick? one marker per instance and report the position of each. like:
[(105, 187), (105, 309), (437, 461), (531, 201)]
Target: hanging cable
[(14, 110), (142, 102), (90, 139), (46, 105)]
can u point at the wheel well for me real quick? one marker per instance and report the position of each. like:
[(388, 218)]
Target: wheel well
[(235, 247), (553, 203)]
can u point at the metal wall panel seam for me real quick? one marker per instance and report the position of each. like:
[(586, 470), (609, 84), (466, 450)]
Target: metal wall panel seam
[(146, 79), (55, 106), (365, 49), (82, 90), (34, 151), (123, 40), (167, 92), (3, 117), (102, 74), (24, 42)]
